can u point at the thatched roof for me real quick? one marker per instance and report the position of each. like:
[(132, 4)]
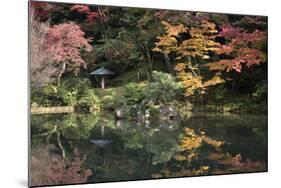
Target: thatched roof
[(102, 71)]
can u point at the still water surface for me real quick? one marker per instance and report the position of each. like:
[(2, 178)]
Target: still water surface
[(129, 150)]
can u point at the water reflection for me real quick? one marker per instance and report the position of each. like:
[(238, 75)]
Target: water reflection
[(128, 150)]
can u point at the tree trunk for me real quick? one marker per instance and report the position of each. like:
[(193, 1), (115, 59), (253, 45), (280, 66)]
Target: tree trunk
[(149, 64), (61, 72), (234, 83), (60, 145), (138, 71), (169, 65)]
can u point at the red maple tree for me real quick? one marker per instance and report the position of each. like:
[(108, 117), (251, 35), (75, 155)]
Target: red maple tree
[(84, 9), (241, 47), (64, 42)]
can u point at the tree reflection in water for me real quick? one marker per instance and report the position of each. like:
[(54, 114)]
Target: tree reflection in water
[(203, 144)]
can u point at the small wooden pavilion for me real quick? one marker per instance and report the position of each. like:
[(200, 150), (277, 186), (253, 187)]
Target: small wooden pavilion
[(103, 73)]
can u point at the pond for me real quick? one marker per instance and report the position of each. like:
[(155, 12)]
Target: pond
[(202, 144)]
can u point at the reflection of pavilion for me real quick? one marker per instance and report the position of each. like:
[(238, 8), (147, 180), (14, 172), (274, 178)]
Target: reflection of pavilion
[(102, 142)]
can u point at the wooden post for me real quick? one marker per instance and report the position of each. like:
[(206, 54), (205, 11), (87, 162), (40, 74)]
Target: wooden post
[(102, 131), (102, 82)]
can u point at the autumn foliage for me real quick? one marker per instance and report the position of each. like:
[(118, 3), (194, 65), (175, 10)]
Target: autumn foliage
[(195, 45), (241, 47), (56, 49), (48, 168), (190, 52), (64, 42), (84, 9)]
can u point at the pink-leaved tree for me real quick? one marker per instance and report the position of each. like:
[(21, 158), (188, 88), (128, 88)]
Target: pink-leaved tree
[(64, 42)]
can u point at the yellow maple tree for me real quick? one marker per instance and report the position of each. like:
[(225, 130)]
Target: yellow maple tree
[(190, 53)]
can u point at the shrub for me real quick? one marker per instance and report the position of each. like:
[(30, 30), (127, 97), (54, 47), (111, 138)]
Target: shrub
[(134, 93), (260, 92), (164, 87), (71, 91), (219, 92), (46, 96), (88, 99)]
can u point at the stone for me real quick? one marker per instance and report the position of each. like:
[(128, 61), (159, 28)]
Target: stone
[(140, 116), (147, 113), (168, 113), (119, 112)]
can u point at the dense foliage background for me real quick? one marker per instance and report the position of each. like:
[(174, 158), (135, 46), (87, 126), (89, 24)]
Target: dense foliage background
[(216, 58)]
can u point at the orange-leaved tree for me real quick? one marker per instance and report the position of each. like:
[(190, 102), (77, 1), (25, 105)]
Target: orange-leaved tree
[(191, 46)]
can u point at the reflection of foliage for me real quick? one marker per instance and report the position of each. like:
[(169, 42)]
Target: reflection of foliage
[(192, 142), (142, 152), (161, 146), (192, 148), (261, 135), (201, 170), (78, 126), (106, 120), (70, 126), (135, 142), (162, 150), (234, 164), (48, 168)]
